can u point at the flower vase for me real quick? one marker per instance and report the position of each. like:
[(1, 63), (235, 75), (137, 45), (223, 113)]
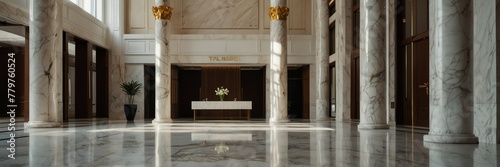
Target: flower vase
[(221, 98)]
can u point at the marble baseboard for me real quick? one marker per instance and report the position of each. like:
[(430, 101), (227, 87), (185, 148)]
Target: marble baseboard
[(451, 139), (373, 126)]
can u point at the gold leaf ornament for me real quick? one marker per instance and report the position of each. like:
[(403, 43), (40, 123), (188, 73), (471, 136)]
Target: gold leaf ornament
[(278, 13), (162, 12)]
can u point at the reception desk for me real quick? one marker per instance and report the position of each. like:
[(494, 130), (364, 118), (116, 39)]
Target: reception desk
[(221, 105)]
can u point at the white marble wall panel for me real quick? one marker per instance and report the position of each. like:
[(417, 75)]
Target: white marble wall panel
[(209, 14), (343, 34), (136, 72), (115, 21), (372, 55), (451, 88), (485, 100), (217, 44), (45, 59)]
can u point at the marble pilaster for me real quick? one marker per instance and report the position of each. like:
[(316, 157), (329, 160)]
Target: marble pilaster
[(373, 60), (278, 63), (451, 98), (45, 61), (391, 61), (163, 28), (343, 34), (485, 73), (322, 60)]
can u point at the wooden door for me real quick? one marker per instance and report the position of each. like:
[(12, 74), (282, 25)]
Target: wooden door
[(421, 83)]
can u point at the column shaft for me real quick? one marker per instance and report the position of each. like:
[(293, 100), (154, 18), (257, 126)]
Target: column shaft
[(162, 62), (278, 64), (322, 60), (45, 52), (451, 98), (372, 62)]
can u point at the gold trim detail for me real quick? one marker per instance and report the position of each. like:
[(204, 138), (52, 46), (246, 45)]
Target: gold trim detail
[(278, 13), (162, 12)]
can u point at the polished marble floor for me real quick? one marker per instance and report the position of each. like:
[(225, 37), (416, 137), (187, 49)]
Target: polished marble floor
[(232, 144)]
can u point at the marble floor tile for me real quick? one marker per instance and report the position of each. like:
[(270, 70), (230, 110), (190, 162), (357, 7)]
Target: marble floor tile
[(98, 142)]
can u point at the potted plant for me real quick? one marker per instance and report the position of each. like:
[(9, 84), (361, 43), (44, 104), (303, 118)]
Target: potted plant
[(131, 88)]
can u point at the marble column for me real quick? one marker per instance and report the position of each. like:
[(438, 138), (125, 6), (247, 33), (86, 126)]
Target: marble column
[(162, 12), (451, 98), (343, 34), (322, 60), (45, 51), (372, 61), (278, 13)]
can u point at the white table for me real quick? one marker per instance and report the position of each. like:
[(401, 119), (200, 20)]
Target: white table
[(221, 105)]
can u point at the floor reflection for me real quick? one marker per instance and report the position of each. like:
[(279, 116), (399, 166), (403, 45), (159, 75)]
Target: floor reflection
[(108, 143)]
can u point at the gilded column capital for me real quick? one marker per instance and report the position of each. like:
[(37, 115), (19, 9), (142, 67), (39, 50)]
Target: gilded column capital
[(162, 12), (278, 13)]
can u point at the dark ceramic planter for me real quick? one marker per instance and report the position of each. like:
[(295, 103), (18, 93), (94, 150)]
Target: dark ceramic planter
[(130, 110)]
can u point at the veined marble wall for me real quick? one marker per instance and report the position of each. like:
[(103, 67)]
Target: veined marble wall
[(484, 72), (219, 17), (135, 72), (115, 20)]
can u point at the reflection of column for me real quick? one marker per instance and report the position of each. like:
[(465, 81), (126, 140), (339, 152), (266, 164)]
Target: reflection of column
[(373, 147), (450, 95), (162, 12), (45, 150), (450, 154), (343, 138), (163, 155), (278, 62), (322, 60), (486, 155), (45, 63), (323, 145), (279, 147), (372, 59)]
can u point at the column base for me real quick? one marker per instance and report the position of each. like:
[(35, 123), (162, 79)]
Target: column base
[(277, 121), (372, 126), (161, 121), (42, 124), (451, 138)]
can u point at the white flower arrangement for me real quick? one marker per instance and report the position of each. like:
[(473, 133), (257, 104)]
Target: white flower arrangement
[(221, 91)]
